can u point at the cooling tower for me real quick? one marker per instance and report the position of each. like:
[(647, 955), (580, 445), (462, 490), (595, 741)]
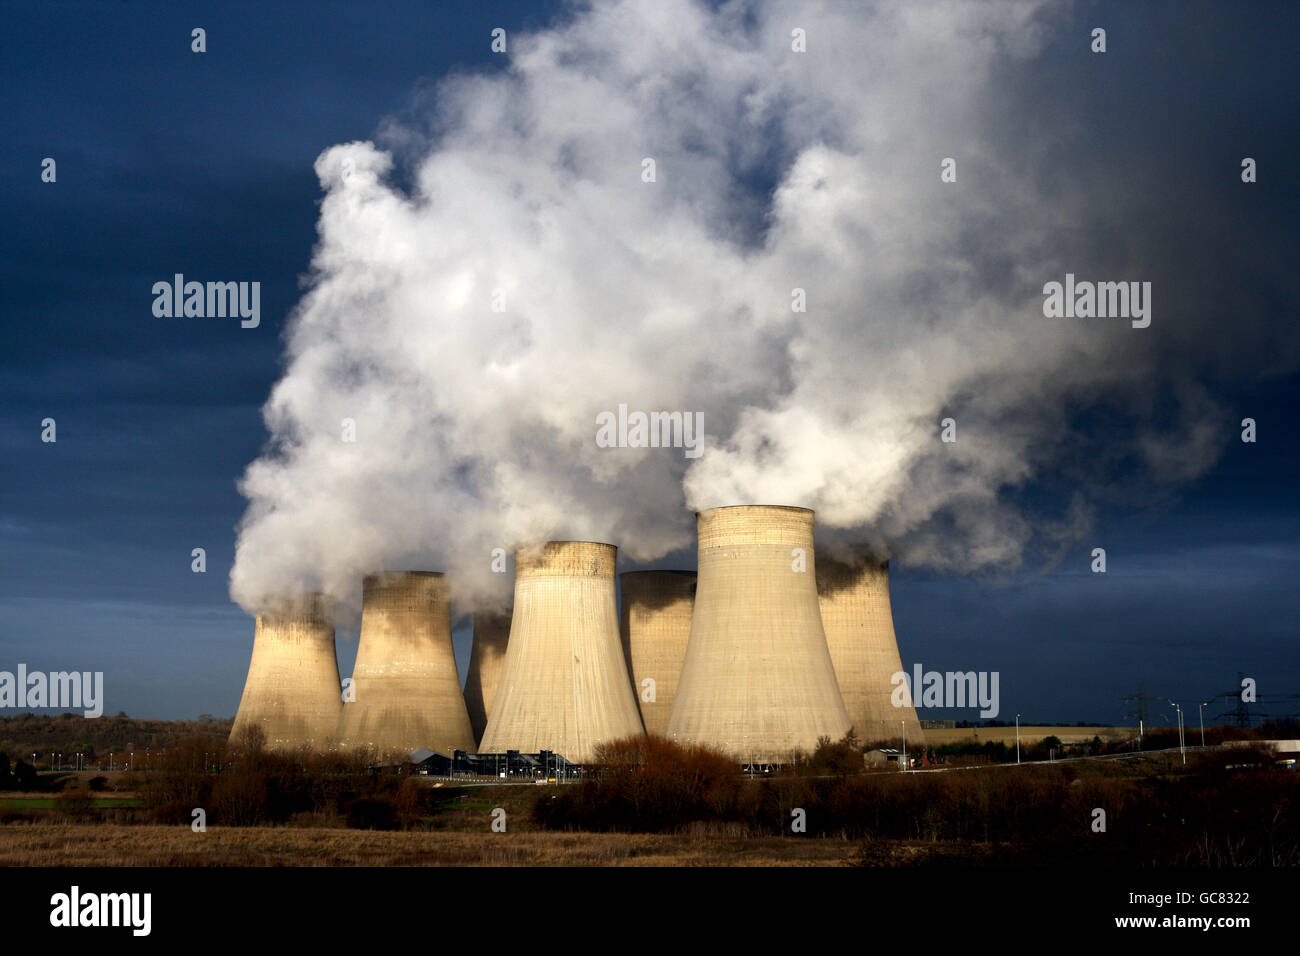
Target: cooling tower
[(564, 686), (860, 634), (486, 658), (407, 687), (758, 679), (655, 623), (292, 690)]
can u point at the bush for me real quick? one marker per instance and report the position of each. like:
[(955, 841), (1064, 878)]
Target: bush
[(648, 784), (74, 804), (840, 757), (372, 813)]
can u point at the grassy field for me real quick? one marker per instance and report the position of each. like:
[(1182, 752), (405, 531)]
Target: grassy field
[(111, 845), (97, 802)]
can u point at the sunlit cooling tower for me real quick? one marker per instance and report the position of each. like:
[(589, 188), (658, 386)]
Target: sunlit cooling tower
[(655, 624), (292, 691), (486, 658), (758, 679), (565, 685), (405, 680), (859, 627)]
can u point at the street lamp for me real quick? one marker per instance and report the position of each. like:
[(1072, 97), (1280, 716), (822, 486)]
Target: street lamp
[(1200, 709), (1181, 748), (903, 724), (1017, 738)]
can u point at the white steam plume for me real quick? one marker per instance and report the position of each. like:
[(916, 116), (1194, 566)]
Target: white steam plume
[(775, 169)]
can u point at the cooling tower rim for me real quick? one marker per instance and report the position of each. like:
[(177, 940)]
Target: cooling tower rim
[(649, 571), (755, 507), (303, 604), (406, 571), (544, 544), (379, 577), (563, 558), (862, 559)]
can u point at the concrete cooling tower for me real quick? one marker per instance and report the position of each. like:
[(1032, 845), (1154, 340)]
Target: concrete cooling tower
[(486, 658), (292, 691), (860, 634), (564, 686), (407, 688), (655, 624), (758, 679)]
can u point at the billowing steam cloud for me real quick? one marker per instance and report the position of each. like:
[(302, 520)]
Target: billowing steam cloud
[(774, 170)]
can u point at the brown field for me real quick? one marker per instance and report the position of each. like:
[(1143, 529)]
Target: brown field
[(112, 845), (1028, 735)]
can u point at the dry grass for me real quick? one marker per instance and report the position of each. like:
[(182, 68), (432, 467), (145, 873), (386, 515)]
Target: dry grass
[(112, 845)]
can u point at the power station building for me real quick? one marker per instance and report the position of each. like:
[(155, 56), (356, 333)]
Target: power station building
[(564, 686), (859, 624), (406, 687), (292, 695), (655, 624), (758, 680)]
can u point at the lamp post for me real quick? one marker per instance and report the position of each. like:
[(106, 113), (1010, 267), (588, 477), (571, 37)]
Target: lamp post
[(1200, 709), (1181, 748), (903, 724), (1017, 738)]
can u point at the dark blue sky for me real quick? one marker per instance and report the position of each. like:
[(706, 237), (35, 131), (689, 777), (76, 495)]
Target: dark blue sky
[(170, 162)]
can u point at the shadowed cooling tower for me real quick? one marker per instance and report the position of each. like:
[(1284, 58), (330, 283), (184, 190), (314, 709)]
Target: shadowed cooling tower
[(564, 686), (860, 634), (655, 623), (292, 692), (758, 678), (486, 658), (407, 688)]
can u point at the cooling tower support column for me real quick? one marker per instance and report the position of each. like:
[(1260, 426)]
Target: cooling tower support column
[(655, 622), (758, 679), (407, 688), (291, 696), (564, 686), (859, 626), (486, 658)]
